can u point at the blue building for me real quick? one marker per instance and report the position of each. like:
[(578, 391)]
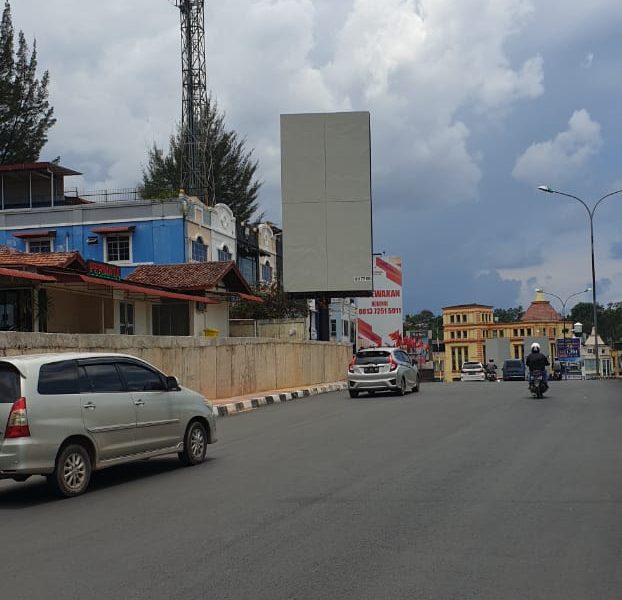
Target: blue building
[(37, 215)]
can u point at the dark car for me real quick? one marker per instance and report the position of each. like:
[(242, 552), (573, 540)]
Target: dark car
[(513, 370)]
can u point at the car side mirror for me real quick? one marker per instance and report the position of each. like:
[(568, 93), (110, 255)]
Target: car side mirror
[(172, 385)]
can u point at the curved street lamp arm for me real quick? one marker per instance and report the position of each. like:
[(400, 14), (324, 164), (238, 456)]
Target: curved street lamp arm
[(554, 296), (605, 196), (589, 212), (577, 294)]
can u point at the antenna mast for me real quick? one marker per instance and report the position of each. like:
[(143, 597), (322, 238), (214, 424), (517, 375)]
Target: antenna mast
[(196, 162)]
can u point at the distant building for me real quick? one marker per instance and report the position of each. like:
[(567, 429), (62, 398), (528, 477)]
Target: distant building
[(606, 357), (467, 327)]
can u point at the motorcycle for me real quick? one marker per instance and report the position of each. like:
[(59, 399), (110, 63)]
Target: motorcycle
[(537, 385), (491, 375)]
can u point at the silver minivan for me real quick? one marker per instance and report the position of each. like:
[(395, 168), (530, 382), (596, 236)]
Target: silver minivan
[(65, 415)]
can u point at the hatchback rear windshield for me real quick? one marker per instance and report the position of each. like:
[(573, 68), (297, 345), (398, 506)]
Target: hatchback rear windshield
[(471, 365), (10, 384), (379, 357)]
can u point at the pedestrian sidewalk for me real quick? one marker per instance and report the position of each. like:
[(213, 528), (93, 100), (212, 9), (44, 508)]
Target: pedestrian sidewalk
[(226, 407)]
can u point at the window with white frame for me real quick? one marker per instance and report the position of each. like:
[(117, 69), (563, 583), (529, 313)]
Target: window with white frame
[(126, 318), (44, 244), (118, 248), (224, 254), (199, 250), (266, 272)]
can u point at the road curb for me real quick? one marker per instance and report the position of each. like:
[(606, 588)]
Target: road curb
[(235, 408)]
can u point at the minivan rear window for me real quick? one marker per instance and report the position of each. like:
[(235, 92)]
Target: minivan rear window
[(59, 378), (10, 384), (378, 357)]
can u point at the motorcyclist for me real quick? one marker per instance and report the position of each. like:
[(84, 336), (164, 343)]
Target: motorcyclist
[(536, 361), (491, 367)]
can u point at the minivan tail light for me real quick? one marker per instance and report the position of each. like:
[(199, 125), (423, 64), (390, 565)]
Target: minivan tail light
[(392, 364), (17, 425)]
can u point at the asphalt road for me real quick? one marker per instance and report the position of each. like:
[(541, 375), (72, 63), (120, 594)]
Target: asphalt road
[(461, 491)]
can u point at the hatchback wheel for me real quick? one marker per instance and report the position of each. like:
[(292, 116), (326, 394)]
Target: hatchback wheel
[(402, 390), (195, 444), (72, 473), (416, 388)]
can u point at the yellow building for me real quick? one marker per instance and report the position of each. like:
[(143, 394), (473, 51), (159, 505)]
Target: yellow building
[(466, 328)]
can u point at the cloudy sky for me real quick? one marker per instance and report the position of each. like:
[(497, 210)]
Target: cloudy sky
[(474, 103)]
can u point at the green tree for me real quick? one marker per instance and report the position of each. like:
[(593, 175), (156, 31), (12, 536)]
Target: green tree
[(609, 319), (25, 113), (425, 321), (508, 315), (234, 179), (610, 323), (276, 305), (583, 312)]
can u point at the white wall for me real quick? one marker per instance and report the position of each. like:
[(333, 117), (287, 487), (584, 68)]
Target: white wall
[(215, 316), (223, 231)]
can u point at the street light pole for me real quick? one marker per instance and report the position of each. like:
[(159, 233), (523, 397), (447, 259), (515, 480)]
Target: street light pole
[(590, 213), (564, 302)]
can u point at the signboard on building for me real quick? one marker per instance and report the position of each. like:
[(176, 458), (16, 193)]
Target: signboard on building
[(569, 349), (103, 270), (380, 317)]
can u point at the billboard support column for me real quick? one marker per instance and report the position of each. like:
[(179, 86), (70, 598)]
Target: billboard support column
[(323, 314)]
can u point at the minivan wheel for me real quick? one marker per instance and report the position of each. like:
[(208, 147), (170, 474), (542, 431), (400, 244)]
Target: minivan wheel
[(195, 444), (72, 473)]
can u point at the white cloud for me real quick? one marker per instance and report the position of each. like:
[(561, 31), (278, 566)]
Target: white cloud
[(562, 157), (414, 64), (588, 61)]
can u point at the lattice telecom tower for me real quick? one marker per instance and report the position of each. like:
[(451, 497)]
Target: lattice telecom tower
[(196, 164)]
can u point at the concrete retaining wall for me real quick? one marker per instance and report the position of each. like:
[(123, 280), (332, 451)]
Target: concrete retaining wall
[(273, 328), (216, 367)]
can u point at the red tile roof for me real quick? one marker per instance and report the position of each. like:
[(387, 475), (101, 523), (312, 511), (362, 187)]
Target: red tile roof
[(541, 310), (192, 276), (62, 260)]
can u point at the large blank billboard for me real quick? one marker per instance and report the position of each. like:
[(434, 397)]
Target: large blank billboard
[(326, 195)]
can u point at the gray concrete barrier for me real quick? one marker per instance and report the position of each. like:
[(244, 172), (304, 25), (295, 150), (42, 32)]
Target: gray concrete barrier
[(216, 367)]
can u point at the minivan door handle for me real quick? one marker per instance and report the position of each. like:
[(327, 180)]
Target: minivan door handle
[(90, 405), (139, 402)]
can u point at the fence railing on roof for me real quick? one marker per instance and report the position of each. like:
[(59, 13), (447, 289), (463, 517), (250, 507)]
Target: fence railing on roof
[(120, 195)]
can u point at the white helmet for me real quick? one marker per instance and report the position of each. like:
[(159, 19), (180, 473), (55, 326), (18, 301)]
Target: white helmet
[(535, 347)]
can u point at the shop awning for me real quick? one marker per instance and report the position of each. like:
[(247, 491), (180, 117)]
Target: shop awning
[(35, 234), (25, 275), (139, 289), (125, 229)]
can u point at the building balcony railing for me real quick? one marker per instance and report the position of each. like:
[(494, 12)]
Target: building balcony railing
[(119, 195), (72, 197)]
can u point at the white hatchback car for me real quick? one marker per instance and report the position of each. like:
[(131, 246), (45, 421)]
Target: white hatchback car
[(65, 415), (382, 369), (472, 371)]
